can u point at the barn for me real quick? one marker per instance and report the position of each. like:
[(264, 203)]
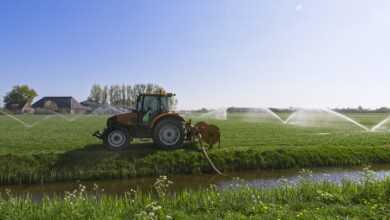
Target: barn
[(61, 104)]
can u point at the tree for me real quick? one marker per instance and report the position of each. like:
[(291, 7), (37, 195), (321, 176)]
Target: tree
[(124, 95), (129, 98), (19, 95), (105, 95), (115, 95), (96, 94)]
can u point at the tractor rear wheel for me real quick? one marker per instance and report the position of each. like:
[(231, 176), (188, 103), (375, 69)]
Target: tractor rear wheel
[(116, 138), (169, 134)]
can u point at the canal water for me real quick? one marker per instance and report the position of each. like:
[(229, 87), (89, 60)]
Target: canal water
[(254, 178)]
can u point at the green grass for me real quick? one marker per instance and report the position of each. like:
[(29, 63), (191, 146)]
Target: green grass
[(368, 199), (56, 149), (368, 119), (56, 135)]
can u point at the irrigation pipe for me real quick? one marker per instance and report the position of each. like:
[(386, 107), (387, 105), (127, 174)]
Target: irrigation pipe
[(211, 163)]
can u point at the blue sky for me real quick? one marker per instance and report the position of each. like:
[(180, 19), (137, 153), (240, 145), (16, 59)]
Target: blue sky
[(218, 53)]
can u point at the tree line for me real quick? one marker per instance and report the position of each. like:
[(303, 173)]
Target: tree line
[(122, 95), (117, 95), (360, 109)]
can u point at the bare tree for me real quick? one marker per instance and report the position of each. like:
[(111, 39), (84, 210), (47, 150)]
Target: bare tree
[(96, 94), (130, 102), (124, 95), (115, 95), (104, 95)]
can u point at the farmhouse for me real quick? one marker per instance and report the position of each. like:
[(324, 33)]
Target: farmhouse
[(18, 108), (63, 104)]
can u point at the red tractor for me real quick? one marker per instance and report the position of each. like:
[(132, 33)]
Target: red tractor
[(152, 118)]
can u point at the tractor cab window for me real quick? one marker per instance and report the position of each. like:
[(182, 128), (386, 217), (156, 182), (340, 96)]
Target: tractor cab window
[(151, 108), (151, 104), (165, 104), (139, 104)]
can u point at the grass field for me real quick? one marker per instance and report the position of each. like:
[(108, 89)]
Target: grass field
[(368, 199), (59, 149), (57, 135)]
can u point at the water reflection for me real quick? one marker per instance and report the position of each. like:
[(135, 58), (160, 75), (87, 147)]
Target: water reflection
[(259, 179)]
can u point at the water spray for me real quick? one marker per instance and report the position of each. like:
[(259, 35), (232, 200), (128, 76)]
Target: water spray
[(380, 124), (220, 114), (292, 115), (346, 118), (25, 124), (53, 114), (274, 114)]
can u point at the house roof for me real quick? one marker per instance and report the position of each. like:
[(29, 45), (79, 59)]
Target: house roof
[(60, 101)]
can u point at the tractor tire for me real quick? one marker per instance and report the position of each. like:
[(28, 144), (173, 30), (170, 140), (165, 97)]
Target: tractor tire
[(169, 134), (116, 138)]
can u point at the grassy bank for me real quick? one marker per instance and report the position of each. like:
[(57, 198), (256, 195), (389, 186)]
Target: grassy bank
[(101, 164), (368, 199), (58, 149)]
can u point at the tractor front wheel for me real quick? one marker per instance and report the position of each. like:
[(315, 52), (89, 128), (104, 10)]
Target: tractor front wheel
[(116, 138), (169, 134)]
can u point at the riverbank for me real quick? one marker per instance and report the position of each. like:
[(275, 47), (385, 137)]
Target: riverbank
[(264, 178), (61, 149), (94, 163), (367, 199)]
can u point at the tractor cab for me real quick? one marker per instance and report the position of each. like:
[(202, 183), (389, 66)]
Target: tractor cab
[(151, 105)]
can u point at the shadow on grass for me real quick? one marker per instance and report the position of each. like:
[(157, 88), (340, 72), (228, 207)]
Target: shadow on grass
[(94, 155)]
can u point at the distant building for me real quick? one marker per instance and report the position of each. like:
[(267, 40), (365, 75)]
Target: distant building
[(64, 104), (13, 107), (18, 108), (91, 104)]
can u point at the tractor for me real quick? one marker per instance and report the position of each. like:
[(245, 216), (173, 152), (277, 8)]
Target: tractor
[(152, 118)]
